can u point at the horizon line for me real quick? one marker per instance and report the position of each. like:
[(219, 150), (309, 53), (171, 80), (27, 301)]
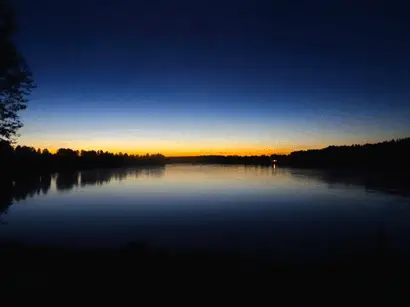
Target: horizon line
[(209, 152)]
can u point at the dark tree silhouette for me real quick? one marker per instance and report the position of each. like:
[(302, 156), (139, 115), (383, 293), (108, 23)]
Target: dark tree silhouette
[(386, 154), (24, 159), (16, 81)]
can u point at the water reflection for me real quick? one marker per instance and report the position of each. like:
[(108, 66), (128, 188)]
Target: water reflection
[(155, 172), (390, 182), (23, 187), (69, 181), (209, 206), (98, 177), (31, 186), (66, 181)]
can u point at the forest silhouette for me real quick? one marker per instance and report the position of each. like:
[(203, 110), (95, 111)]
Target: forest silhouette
[(389, 154), (28, 159), (25, 159)]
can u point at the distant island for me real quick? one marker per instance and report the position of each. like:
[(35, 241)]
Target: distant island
[(389, 153), (219, 159)]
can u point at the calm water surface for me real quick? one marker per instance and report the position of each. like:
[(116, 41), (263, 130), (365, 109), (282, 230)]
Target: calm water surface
[(253, 210)]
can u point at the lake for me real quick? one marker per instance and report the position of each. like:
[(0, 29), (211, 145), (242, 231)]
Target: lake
[(259, 211)]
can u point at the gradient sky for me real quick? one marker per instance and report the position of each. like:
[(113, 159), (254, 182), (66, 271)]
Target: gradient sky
[(202, 77)]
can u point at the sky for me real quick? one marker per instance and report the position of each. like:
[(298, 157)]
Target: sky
[(214, 77)]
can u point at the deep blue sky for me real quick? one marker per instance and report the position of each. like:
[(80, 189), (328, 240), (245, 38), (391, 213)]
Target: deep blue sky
[(215, 76)]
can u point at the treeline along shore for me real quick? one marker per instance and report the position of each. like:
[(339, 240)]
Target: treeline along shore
[(387, 154), (25, 159), (394, 153)]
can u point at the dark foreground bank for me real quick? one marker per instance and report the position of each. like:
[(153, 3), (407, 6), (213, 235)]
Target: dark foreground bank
[(139, 275)]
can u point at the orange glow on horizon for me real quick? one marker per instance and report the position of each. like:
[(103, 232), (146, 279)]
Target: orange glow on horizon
[(177, 148), (182, 153), (184, 146)]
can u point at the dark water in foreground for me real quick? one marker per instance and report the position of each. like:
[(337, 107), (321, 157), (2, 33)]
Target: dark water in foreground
[(252, 210)]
